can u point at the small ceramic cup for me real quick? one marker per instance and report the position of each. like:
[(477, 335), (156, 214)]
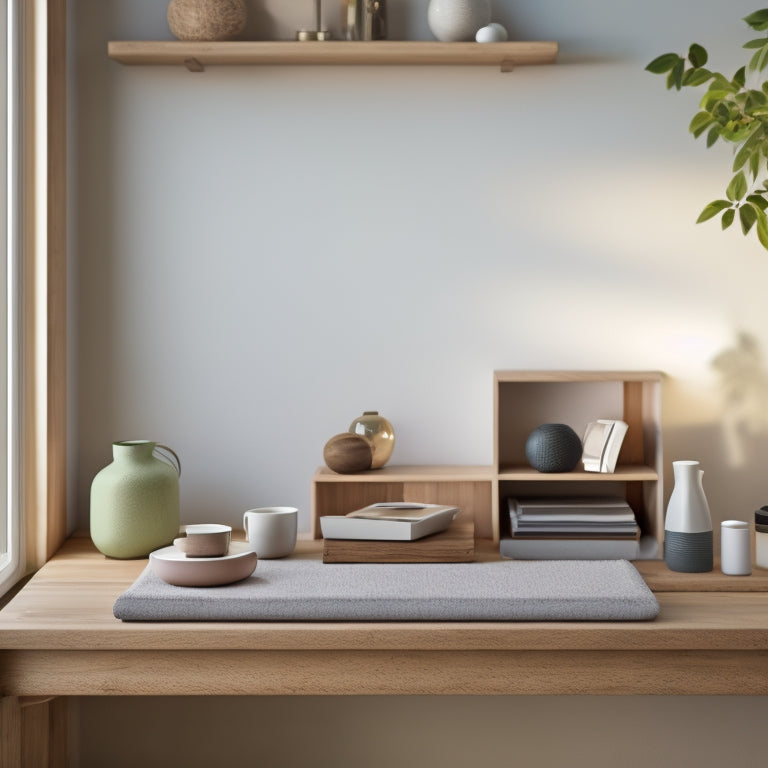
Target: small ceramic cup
[(271, 531), (205, 540)]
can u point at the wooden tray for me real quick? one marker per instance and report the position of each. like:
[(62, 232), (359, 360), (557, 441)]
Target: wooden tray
[(454, 545)]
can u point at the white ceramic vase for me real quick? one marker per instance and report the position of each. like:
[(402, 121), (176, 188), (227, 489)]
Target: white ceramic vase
[(457, 20), (688, 523)]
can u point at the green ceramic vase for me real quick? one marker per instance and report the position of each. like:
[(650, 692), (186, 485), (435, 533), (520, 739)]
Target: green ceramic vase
[(135, 501)]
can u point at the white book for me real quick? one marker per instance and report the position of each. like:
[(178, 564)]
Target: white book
[(389, 521)]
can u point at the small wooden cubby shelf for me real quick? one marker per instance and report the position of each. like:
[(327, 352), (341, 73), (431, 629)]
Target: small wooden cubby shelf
[(196, 56), (525, 399), (522, 401)]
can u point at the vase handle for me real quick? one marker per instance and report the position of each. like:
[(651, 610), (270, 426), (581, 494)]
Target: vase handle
[(175, 462)]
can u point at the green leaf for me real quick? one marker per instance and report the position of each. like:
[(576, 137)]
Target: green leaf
[(712, 97), (722, 113), (675, 77), (758, 61), (663, 63), (750, 147), (762, 229), (728, 217), (755, 99), (713, 135), (743, 156), (696, 77), (713, 209), (734, 132), (754, 164), (740, 78), (697, 55), (758, 42), (737, 188), (758, 200), (701, 121), (747, 218), (758, 20), (722, 83)]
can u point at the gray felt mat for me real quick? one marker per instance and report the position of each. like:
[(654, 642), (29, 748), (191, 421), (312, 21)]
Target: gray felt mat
[(296, 589)]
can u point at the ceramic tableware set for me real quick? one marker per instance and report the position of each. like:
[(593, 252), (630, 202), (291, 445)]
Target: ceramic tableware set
[(135, 512), (206, 556)]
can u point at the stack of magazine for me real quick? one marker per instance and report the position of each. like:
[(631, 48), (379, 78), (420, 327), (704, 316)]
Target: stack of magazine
[(571, 528)]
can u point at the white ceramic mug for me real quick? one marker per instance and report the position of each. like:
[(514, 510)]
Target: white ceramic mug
[(271, 531)]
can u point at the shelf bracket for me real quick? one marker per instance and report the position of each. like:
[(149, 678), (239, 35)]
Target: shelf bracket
[(507, 65), (194, 65)]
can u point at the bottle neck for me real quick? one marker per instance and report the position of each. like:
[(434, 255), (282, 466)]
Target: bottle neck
[(133, 450)]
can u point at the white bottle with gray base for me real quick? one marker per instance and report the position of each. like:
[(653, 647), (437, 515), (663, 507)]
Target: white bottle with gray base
[(688, 524)]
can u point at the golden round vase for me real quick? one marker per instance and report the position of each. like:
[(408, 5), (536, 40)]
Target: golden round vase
[(380, 433)]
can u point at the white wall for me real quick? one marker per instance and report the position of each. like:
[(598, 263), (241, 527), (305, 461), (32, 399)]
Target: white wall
[(260, 254), (264, 253)]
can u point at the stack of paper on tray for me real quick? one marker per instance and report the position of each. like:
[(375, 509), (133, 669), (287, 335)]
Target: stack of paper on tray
[(571, 529), (563, 518)]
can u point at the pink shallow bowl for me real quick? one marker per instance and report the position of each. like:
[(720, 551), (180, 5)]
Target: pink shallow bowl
[(174, 567)]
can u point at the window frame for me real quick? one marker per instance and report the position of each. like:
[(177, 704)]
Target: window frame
[(37, 425)]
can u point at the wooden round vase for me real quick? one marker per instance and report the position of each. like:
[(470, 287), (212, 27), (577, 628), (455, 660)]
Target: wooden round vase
[(207, 19), (346, 453)]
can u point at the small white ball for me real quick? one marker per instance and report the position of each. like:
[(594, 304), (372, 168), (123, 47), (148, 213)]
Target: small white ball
[(493, 33), (502, 30)]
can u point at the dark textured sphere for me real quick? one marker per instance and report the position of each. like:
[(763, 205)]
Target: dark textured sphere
[(553, 448)]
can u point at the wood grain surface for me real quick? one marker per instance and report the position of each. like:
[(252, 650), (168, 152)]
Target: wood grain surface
[(58, 636)]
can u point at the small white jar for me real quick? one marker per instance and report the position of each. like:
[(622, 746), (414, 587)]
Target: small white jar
[(761, 537), (735, 558)]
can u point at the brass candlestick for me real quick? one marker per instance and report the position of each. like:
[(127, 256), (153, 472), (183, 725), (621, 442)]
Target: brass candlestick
[(318, 33)]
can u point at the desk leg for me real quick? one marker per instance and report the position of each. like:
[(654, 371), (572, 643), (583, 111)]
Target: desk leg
[(10, 732), (33, 732)]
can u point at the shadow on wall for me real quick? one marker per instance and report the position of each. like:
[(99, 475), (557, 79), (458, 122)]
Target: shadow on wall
[(733, 446), (744, 392)]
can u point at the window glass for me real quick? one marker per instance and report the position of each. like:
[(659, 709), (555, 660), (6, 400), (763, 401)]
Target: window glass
[(10, 516)]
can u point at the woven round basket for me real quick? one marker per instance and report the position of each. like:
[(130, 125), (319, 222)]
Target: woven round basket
[(207, 19)]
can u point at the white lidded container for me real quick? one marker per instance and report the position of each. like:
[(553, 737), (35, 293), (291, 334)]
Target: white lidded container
[(735, 559)]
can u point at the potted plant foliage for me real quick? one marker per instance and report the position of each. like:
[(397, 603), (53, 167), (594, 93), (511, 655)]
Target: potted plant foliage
[(735, 111)]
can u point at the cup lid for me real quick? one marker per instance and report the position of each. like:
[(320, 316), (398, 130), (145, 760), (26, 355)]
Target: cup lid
[(761, 515)]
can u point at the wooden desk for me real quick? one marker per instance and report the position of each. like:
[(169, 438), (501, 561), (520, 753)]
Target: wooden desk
[(58, 638)]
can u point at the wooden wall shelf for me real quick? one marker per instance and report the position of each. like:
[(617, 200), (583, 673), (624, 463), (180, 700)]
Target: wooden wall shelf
[(197, 56)]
